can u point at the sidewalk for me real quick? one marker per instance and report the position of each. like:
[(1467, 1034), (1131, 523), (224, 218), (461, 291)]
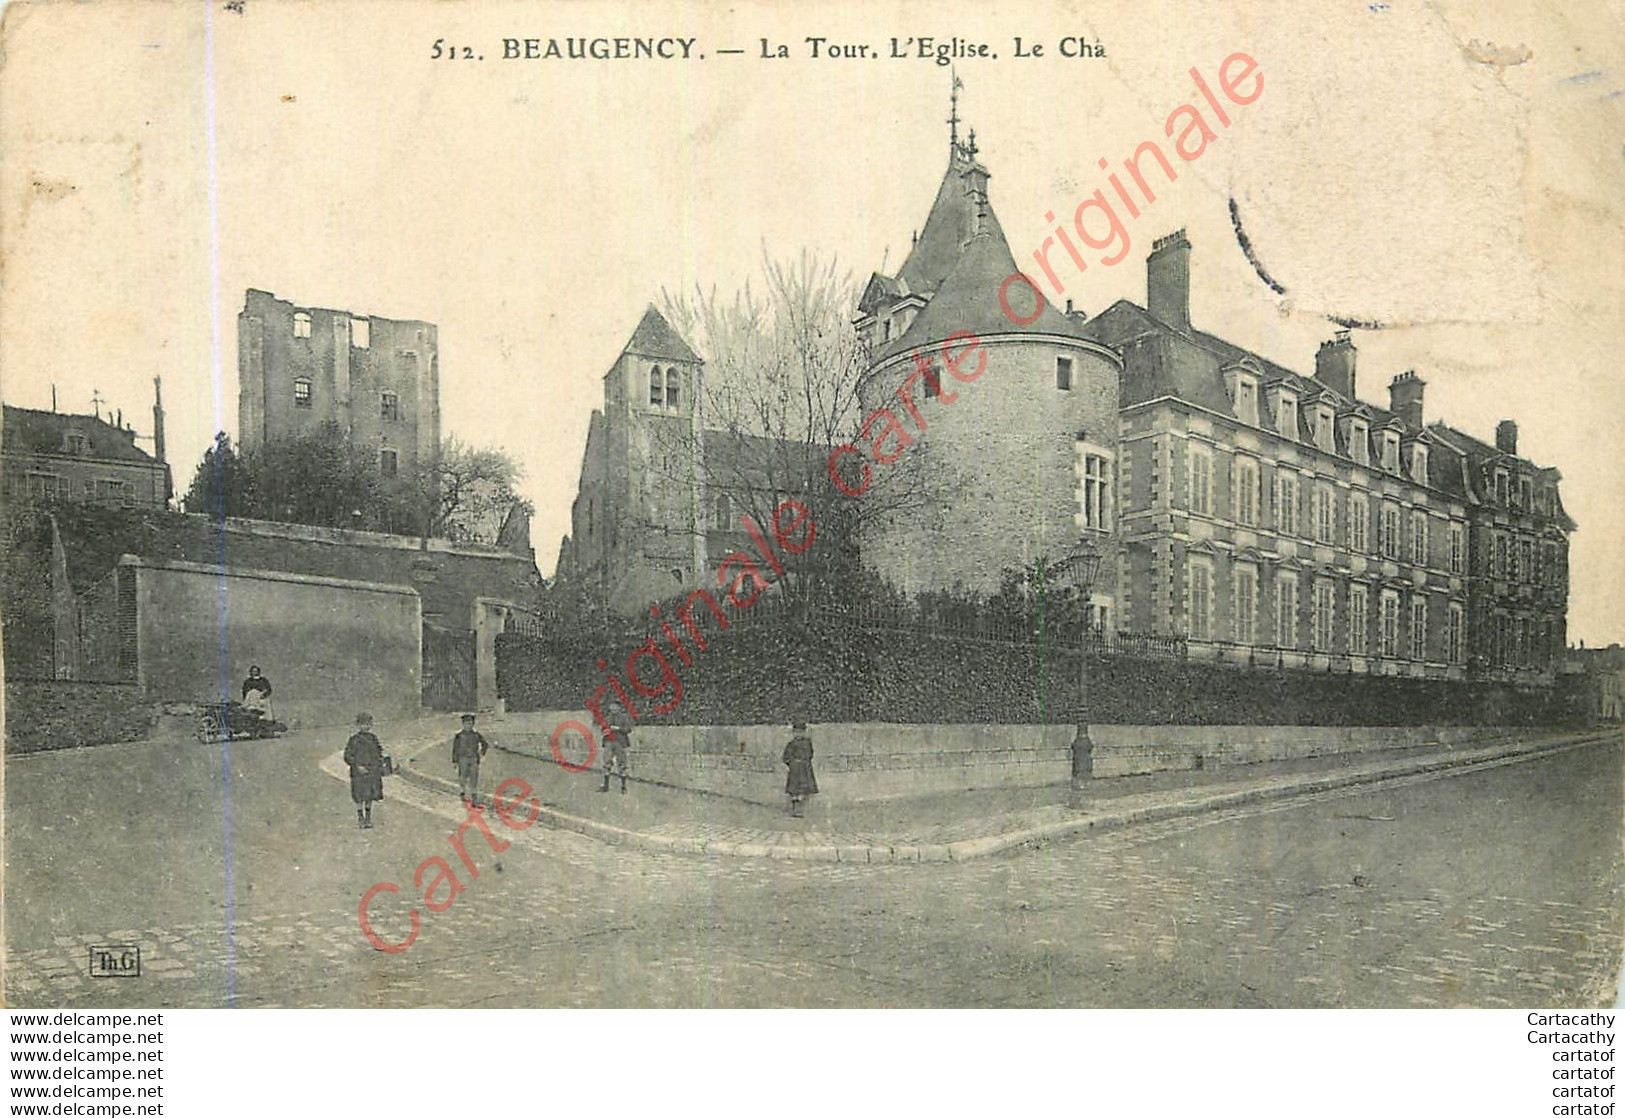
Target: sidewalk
[(942, 828)]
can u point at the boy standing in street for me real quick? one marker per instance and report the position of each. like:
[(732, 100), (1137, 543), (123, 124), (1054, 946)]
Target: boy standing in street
[(466, 750), (365, 756)]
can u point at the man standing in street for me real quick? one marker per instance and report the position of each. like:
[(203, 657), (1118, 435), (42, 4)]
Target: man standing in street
[(466, 750)]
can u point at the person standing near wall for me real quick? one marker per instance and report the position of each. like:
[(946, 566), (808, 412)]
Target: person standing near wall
[(365, 756), (800, 782), (616, 744), (467, 749)]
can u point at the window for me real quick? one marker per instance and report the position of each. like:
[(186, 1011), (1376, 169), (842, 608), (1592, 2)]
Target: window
[(301, 324), (1325, 513), (1201, 478), (1526, 560), (1286, 610), (1419, 628), (1501, 491), (1359, 621), (1360, 442), (1454, 632), (1286, 415), (1389, 633), (724, 511), (1548, 561), (1419, 463), (1458, 549), (75, 442), (657, 387), (1247, 400), (109, 491), (1419, 538), (1388, 531), (674, 384), (1286, 502), (301, 392), (1246, 606), (1359, 524), (1390, 451), (1525, 494), (1199, 600), (1501, 552), (45, 487), (1325, 597), (1063, 373), (388, 463), (1095, 491), (389, 407), (1245, 498), (1325, 437), (361, 333)]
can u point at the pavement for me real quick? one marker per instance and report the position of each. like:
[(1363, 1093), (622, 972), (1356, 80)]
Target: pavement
[(943, 828), (238, 873)]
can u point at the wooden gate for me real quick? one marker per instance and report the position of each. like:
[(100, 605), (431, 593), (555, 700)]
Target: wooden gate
[(448, 669)]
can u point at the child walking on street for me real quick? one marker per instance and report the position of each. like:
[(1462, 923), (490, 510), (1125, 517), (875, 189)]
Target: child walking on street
[(466, 750), (800, 783), (365, 756)]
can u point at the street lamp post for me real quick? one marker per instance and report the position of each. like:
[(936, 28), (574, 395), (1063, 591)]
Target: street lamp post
[(1082, 566)]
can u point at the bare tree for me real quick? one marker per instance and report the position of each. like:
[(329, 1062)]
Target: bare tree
[(784, 380)]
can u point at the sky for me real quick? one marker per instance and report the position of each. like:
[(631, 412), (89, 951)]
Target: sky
[(1452, 180)]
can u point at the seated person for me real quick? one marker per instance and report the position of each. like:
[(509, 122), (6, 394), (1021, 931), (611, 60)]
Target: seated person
[(258, 684)]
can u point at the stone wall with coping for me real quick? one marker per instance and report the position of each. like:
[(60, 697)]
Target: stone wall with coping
[(859, 762)]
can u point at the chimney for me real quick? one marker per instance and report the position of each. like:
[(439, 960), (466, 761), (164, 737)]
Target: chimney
[(1405, 397), (1506, 437), (158, 418), (1168, 280), (1334, 364)]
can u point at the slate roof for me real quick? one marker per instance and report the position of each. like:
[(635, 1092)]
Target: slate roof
[(1188, 366), (30, 431), (1479, 458), (655, 338), (951, 222)]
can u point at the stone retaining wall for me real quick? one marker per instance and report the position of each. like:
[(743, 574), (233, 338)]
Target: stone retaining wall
[(877, 761)]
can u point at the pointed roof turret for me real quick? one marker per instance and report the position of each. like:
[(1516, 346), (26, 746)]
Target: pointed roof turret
[(961, 209), (968, 299), (655, 338)]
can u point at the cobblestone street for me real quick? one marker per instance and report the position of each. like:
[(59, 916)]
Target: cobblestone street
[(1494, 887)]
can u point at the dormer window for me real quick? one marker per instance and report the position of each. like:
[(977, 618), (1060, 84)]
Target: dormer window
[(1324, 437), (1390, 451), (1286, 415), (1419, 463), (301, 324), (1247, 399), (1526, 494), (75, 442), (1502, 487), (1360, 441)]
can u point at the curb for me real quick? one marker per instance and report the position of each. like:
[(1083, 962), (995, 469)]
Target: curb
[(966, 850)]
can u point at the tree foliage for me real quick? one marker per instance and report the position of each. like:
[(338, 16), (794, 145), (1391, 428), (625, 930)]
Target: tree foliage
[(327, 479)]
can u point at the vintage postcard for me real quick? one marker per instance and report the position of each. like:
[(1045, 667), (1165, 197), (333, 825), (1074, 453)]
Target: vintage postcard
[(839, 505)]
